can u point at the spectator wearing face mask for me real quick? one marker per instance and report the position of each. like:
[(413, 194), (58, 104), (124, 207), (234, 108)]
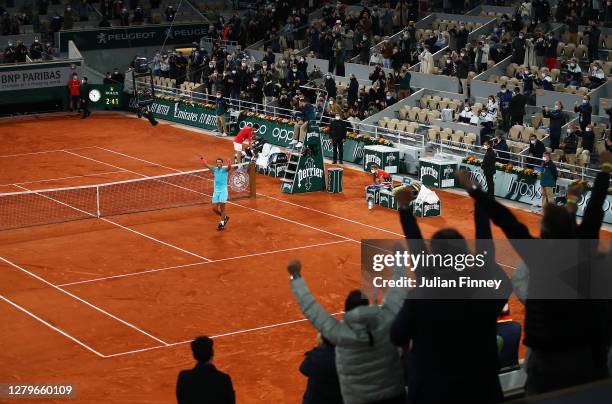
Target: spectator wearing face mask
[(527, 77), (518, 49), (585, 110), (505, 98), (466, 114), (557, 120), (427, 62), (488, 167), (330, 86), (389, 99), (449, 67), (587, 139), (574, 74), (353, 90), (482, 57), (548, 180), (550, 51), (546, 81), (536, 149), (570, 144), (596, 75), (463, 69)]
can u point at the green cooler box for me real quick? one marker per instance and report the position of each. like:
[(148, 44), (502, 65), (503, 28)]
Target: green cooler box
[(334, 179), (427, 209), (385, 157), (387, 199), (372, 192), (437, 172)]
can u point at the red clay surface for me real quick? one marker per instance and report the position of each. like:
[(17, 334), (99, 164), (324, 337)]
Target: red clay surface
[(133, 299)]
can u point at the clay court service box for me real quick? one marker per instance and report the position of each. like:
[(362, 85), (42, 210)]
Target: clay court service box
[(385, 157), (334, 179), (437, 172)]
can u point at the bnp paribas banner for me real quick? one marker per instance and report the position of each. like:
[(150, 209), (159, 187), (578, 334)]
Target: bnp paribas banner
[(132, 37), (34, 82)]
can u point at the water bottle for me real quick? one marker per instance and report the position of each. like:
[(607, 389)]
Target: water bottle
[(370, 203)]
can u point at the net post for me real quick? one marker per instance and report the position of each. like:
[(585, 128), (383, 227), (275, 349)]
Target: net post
[(252, 179), (98, 201)]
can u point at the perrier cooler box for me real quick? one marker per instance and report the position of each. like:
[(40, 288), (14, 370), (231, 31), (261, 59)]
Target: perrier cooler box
[(334, 179)]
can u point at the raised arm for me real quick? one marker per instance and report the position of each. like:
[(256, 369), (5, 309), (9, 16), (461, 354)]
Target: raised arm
[(205, 163), (593, 213)]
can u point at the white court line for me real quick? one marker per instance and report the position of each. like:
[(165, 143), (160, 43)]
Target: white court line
[(46, 151), (83, 301), (118, 225), (65, 334), (200, 263), (266, 196), (264, 327), (228, 202), (64, 178)]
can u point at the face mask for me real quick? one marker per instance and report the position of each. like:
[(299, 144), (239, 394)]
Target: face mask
[(490, 101), (466, 109), (211, 65), (532, 141), (569, 131), (504, 90), (233, 71), (388, 97), (526, 72), (546, 159), (294, 70), (255, 79), (584, 102), (557, 107), (588, 129), (572, 65), (448, 61), (337, 116)]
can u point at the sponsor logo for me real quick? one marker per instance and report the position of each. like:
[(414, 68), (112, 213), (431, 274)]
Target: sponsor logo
[(307, 173), (238, 180), (448, 172), (311, 134), (283, 135), (429, 170), (389, 159), (159, 109), (519, 189), (102, 38), (427, 207), (372, 159)]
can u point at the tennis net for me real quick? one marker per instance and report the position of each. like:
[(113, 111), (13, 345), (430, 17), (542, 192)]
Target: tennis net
[(47, 206)]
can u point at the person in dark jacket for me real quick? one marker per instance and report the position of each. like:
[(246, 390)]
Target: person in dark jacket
[(330, 86), (501, 148), (84, 94), (548, 180), (353, 90), (319, 366), (593, 33), (518, 49), (204, 383), (588, 138), (585, 110), (220, 110), (557, 120), (463, 367), (570, 144), (560, 356), (488, 167), (337, 131), (517, 107), (536, 150), (510, 333), (505, 97)]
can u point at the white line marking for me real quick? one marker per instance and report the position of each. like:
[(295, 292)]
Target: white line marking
[(64, 178), (230, 202), (148, 271), (118, 225), (47, 151), (82, 301), (65, 334), (265, 327)]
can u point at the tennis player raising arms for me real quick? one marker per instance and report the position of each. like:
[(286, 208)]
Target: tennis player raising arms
[(245, 133), (219, 198)]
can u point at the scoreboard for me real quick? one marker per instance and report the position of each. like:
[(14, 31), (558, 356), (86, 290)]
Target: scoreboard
[(105, 96)]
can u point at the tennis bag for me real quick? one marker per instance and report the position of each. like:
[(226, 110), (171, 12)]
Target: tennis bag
[(277, 159)]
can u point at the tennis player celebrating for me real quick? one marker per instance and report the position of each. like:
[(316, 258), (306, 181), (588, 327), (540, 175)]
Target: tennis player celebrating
[(219, 198), (245, 133)]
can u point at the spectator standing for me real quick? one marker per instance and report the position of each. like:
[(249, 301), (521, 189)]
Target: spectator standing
[(585, 110), (463, 69), (488, 167), (548, 180), (510, 333), (21, 52), (501, 148), (204, 383), (68, 21), (319, 365), (117, 77), (10, 53), (536, 147), (353, 90), (570, 144), (170, 13), (330, 85), (587, 139), (404, 83), (221, 109), (369, 367), (593, 33), (338, 130), (84, 94), (550, 52), (505, 100), (482, 57), (426, 59), (557, 120), (74, 86), (518, 49)]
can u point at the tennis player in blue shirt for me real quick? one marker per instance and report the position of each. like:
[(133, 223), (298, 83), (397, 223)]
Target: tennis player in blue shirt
[(219, 198)]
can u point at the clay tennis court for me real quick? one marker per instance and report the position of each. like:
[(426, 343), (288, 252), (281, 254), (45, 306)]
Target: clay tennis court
[(110, 304)]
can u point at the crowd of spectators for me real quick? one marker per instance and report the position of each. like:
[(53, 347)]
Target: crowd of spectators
[(18, 52)]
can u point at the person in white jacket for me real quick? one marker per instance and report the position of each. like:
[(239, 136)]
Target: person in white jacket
[(427, 62), (368, 365)]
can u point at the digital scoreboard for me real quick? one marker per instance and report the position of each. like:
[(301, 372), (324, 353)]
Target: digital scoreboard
[(105, 96)]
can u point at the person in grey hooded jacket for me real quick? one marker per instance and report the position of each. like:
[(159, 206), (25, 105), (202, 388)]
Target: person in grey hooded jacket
[(369, 366)]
